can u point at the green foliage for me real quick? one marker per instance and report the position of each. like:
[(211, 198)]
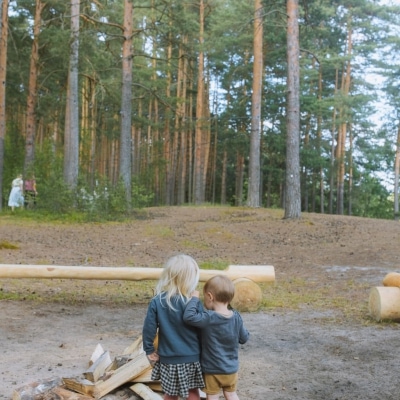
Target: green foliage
[(167, 33)]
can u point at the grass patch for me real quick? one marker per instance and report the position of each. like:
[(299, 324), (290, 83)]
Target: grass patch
[(4, 244), (350, 299), (160, 231), (194, 245), (77, 292), (218, 265)]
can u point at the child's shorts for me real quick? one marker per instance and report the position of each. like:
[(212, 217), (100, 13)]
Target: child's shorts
[(214, 383)]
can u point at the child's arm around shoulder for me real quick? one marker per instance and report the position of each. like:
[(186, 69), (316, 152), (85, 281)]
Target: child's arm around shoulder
[(194, 313)]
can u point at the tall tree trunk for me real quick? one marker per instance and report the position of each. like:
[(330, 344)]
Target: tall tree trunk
[(171, 137), (342, 133), (253, 193), (319, 141), (71, 139), (292, 181), (199, 184), (332, 157), (126, 103), (3, 68), (239, 178), (396, 176), (223, 176), (181, 117), (350, 172), (32, 92)]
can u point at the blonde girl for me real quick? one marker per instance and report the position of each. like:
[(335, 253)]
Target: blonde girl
[(177, 358)]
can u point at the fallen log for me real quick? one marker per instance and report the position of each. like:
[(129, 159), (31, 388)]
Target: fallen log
[(256, 273), (392, 279), (384, 303)]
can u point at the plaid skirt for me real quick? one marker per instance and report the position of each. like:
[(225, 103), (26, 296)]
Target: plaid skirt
[(177, 379)]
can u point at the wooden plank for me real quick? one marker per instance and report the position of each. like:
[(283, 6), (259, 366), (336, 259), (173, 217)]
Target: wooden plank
[(80, 385), (144, 378), (98, 351), (96, 370), (59, 393), (135, 347), (155, 386), (122, 375), (145, 392)]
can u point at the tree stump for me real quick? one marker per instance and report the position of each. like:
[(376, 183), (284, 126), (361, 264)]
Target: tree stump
[(384, 303), (248, 295)]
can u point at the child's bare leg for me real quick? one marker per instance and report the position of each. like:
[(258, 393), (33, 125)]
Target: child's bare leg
[(231, 396), (212, 396), (194, 394), (168, 397)]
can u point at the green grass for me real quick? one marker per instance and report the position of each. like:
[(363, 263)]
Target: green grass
[(4, 244)]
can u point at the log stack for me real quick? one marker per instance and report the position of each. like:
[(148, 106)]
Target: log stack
[(384, 301), (127, 377)]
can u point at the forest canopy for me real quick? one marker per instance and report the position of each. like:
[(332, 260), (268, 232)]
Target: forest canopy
[(120, 104)]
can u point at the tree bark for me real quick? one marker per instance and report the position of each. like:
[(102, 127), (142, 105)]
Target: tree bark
[(253, 194), (292, 182), (126, 103), (342, 133), (32, 92), (71, 139), (199, 185), (3, 67), (396, 176)]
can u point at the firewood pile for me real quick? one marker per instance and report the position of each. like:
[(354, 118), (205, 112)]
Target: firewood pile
[(126, 377)]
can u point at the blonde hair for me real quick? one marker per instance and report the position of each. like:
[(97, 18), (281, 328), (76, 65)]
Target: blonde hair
[(221, 287), (179, 278)]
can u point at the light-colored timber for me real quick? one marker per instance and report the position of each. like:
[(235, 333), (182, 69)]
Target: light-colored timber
[(145, 392), (248, 295), (98, 351), (98, 368), (124, 374), (384, 303), (256, 273), (392, 279)]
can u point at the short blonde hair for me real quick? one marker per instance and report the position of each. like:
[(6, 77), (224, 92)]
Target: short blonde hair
[(179, 278), (221, 287)]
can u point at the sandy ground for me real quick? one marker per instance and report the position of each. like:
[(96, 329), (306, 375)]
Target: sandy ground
[(300, 352)]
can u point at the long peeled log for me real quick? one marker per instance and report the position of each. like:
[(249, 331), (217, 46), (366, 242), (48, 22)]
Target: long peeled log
[(256, 273)]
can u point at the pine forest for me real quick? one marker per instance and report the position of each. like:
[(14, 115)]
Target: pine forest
[(114, 105)]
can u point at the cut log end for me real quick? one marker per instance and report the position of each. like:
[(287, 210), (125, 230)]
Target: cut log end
[(384, 303), (392, 279), (248, 295)]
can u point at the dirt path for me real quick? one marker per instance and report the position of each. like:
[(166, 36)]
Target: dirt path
[(301, 352)]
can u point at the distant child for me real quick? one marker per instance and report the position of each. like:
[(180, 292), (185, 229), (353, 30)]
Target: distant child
[(177, 358), (222, 330)]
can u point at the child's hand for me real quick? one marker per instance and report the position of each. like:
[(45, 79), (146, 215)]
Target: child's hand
[(196, 293), (153, 358)]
